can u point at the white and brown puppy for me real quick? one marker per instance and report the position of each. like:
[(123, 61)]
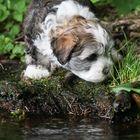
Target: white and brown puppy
[(66, 33)]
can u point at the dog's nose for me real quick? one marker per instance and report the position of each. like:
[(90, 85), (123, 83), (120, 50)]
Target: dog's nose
[(105, 70)]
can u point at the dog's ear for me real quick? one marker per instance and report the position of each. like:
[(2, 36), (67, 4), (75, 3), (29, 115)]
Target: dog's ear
[(63, 47)]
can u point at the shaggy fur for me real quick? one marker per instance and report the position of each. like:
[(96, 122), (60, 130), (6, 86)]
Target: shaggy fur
[(66, 33)]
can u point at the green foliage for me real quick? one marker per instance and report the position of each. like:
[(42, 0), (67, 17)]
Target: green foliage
[(11, 17), (127, 74), (12, 9), (13, 49), (3, 12), (95, 1), (18, 114), (123, 7), (127, 87), (128, 70)]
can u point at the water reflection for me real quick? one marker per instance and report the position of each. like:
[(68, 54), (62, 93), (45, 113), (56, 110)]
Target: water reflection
[(10, 132), (55, 129)]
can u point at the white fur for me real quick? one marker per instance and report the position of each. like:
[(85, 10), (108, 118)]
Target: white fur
[(99, 33), (36, 72), (95, 74), (70, 8), (66, 10)]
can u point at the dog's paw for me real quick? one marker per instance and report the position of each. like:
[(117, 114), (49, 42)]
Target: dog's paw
[(36, 72)]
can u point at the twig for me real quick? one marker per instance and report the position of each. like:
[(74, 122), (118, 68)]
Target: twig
[(1, 66)]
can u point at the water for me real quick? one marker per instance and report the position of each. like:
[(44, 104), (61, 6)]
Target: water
[(58, 129)]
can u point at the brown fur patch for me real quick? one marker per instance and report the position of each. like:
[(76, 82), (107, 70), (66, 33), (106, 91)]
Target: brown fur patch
[(63, 47), (70, 39)]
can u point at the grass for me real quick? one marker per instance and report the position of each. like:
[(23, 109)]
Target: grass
[(128, 70)]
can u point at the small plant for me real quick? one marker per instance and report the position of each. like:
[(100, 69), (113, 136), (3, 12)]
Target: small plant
[(11, 48), (11, 17), (128, 71), (18, 114)]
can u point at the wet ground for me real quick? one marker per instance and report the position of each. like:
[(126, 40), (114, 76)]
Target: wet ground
[(58, 129)]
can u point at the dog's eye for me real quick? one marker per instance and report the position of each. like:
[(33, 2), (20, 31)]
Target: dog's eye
[(92, 57)]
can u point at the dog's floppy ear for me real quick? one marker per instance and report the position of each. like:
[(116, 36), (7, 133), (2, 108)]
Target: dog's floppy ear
[(63, 47)]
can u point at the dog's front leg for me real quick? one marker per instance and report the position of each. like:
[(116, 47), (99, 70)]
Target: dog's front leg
[(38, 67), (36, 72)]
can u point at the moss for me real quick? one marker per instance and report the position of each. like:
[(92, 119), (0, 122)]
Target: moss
[(56, 96)]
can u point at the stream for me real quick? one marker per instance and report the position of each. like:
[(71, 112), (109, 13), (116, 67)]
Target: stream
[(60, 129)]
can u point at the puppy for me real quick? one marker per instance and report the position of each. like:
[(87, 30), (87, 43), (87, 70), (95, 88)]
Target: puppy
[(66, 33)]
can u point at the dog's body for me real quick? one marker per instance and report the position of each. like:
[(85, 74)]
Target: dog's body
[(66, 33)]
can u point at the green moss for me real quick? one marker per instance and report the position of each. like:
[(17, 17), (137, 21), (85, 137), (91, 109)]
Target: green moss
[(57, 84)]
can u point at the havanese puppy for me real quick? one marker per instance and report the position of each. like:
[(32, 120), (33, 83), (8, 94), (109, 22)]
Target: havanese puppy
[(66, 33)]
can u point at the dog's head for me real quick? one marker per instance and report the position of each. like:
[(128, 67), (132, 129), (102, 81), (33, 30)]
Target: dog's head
[(85, 48)]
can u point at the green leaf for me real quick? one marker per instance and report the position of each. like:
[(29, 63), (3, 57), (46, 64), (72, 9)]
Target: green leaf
[(5, 45), (7, 40), (95, 1), (125, 6), (18, 16), (9, 25), (18, 51), (7, 3), (14, 31), (2, 37), (9, 47), (3, 13), (1, 49), (1, 1), (126, 87), (1, 44), (18, 5)]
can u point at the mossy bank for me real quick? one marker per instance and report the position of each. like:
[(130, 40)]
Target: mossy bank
[(57, 96)]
